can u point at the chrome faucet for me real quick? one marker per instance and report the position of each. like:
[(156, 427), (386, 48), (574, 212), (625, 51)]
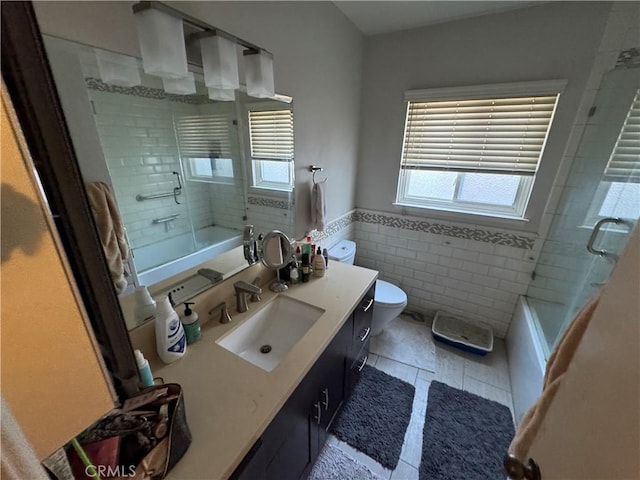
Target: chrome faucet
[(242, 289), (224, 313)]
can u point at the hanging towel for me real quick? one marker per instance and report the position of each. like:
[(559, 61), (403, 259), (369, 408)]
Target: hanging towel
[(111, 231), (557, 366), (318, 206)]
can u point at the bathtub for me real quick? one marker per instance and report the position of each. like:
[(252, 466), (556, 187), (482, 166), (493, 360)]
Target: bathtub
[(527, 352), (164, 259)]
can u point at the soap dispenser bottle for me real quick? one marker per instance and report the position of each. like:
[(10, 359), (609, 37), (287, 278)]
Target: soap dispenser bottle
[(171, 341), (319, 266), (191, 324)]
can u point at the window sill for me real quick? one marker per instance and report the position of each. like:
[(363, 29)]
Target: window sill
[(484, 219), (270, 192)]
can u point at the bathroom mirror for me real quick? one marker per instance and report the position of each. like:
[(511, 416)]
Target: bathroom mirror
[(276, 250), (187, 172)]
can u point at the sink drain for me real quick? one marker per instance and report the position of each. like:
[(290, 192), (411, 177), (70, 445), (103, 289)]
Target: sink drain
[(265, 348)]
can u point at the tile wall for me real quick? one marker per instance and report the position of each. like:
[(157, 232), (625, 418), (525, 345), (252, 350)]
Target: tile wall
[(139, 144), (467, 270)]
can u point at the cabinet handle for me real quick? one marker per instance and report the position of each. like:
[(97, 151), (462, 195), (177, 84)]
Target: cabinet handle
[(325, 402), (318, 412), (365, 334), (364, 362), (368, 305)]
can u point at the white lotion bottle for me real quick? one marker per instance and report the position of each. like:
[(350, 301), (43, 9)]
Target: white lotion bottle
[(145, 307), (171, 341)]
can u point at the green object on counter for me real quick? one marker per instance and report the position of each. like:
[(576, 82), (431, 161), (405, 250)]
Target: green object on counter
[(85, 459), (191, 324)]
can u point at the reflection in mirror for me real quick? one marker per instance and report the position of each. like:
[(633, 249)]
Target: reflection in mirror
[(187, 172), (276, 254)]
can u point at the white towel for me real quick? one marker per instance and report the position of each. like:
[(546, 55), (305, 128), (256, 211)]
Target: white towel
[(318, 206)]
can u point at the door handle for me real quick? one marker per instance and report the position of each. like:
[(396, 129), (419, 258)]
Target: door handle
[(325, 402), (365, 334), (516, 470), (368, 305), (364, 362), (594, 235)]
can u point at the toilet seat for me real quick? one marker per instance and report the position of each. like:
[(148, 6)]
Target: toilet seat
[(388, 295)]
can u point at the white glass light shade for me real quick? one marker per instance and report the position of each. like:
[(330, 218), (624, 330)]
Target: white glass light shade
[(117, 69), (161, 39), (225, 95), (259, 74), (180, 86), (220, 62)]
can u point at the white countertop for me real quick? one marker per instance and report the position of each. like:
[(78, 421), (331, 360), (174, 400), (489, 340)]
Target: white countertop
[(229, 401)]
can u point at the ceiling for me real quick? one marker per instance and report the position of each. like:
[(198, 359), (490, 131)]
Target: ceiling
[(374, 17)]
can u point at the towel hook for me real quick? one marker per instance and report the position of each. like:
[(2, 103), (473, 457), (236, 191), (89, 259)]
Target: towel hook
[(314, 169)]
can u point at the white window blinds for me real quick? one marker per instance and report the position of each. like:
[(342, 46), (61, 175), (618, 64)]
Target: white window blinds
[(624, 163), (490, 135), (204, 136), (271, 134)]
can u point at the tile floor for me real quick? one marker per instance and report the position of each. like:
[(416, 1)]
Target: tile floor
[(406, 350)]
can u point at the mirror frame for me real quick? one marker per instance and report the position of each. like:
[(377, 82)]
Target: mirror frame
[(29, 82), (285, 245)]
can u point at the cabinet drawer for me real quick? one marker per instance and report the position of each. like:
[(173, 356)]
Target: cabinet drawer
[(362, 317), (353, 374)]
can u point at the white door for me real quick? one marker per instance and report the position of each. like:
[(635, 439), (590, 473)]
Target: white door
[(592, 428)]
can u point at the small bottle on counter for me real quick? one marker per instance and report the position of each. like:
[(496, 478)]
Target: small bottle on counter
[(319, 266), (144, 369), (191, 324), (294, 274), (325, 254), (306, 267), (145, 307)]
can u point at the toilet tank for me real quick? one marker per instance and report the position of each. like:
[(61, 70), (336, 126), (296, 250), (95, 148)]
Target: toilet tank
[(344, 251)]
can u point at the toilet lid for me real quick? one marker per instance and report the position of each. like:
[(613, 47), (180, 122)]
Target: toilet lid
[(389, 294)]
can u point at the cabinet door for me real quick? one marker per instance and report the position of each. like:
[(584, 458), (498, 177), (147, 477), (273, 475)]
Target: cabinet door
[(327, 376)]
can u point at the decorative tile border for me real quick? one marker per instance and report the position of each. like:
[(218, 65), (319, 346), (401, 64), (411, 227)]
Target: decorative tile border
[(270, 202), (145, 92), (334, 227), (469, 233), (628, 58)]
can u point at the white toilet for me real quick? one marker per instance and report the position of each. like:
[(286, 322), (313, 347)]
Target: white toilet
[(389, 300)]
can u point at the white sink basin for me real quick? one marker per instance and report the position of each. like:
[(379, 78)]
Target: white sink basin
[(266, 337)]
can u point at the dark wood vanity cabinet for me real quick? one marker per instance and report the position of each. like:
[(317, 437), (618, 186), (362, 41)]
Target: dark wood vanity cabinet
[(289, 446)]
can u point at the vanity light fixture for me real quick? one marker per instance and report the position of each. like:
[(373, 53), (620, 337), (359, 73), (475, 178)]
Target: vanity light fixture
[(162, 44), (180, 86), (258, 66), (118, 69), (219, 61), (161, 38), (225, 95)]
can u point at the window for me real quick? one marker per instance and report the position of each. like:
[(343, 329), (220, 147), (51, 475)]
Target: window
[(271, 143), (618, 194), (205, 144), (477, 149)]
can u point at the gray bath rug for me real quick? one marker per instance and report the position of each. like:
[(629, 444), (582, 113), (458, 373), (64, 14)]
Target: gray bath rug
[(406, 341), (376, 416), (465, 436), (334, 464)]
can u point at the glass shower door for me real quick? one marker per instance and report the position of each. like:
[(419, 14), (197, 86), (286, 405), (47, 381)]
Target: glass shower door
[(599, 207)]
